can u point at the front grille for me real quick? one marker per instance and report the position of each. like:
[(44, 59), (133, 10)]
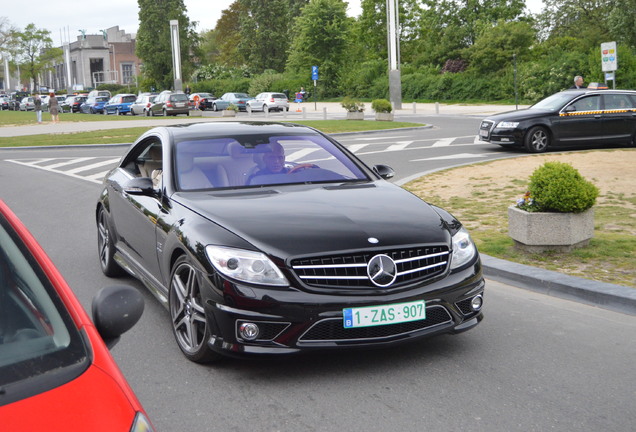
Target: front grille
[(485, 128), (333, 330), (414, 264), (465, 306)]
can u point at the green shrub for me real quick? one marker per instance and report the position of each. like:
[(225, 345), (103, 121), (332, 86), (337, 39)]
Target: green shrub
[(381, 105), (559, 187), (352, 105)]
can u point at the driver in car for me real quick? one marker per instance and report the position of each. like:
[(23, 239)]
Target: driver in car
[(273, 162)]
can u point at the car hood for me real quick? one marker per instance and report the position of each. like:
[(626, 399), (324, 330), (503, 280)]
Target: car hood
[(519, 115), (310, 219)]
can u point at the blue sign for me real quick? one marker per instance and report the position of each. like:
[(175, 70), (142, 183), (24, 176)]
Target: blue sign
[(314, 73)]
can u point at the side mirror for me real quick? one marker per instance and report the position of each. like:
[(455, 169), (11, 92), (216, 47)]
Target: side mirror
[(140, 186), (384, 171), (115, 310), (569, 109)]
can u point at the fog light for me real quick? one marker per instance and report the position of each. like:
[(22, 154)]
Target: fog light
[(477, 302), (248, 331)]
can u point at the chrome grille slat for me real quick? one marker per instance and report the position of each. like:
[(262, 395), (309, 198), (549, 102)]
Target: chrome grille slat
[(349, 271)]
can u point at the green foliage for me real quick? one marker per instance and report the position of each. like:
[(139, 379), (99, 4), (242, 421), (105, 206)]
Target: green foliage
[(264, 82), (559, 187), (153, 43), (33, 49), (381, 106), (496, 46), (220, 86), (352, 105)]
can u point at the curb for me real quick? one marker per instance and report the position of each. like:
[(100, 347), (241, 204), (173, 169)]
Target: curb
[(617, 298)]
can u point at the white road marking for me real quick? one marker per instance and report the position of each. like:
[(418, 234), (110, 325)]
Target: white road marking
[(454, 156), (444, 142)]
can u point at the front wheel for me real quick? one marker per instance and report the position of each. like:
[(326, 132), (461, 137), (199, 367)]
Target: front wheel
[(106, 247), (214, 108), (537, 140), (189, 324)]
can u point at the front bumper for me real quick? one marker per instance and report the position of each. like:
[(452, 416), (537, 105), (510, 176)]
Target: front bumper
[(294, 321), (489, 132)]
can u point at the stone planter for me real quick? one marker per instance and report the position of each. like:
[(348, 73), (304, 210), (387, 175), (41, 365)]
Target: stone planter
[(196, 113), (355, 115), (228, 113), (538, 232), (383, 116)]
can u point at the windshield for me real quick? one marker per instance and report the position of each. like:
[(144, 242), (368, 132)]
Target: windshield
[(262, 160), (554, 102), (37, 336)]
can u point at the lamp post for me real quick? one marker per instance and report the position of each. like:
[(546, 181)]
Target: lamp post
[(395, 80), (176, 54)]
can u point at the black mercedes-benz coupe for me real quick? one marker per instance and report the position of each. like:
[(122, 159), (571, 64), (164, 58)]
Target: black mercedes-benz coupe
[(268, 238), (581, 117)]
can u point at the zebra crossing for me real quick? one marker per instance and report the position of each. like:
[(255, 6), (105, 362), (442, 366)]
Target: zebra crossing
[(94, 168)]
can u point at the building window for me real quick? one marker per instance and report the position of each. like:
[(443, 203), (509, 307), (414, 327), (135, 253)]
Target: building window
[(127, 73)]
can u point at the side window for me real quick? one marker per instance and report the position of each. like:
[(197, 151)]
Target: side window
[(590, 103), (617, 101)]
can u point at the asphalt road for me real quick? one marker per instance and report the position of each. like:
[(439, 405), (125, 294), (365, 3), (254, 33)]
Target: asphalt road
[(535, 363)]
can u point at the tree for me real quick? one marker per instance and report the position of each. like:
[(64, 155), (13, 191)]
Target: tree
[(33, 49), (321, 38), (221, 43), (154, 45), (265, 32)]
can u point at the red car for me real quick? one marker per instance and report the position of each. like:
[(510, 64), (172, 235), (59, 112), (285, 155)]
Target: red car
[(56, 371)]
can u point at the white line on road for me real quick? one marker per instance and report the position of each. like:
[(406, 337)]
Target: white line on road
[(454, 156), (93, 166), (444, 142)]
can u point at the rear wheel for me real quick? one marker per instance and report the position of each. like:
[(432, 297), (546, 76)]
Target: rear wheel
[(537, 140), (106, 247), (214, 108), (189, 323)]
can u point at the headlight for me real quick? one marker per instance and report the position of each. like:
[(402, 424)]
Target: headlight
[(463, 248), (141, 424), (246, 266), (507, 125)]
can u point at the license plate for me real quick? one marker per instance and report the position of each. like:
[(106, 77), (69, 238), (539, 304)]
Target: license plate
[(180, 105), (382, 315), (483, 133)]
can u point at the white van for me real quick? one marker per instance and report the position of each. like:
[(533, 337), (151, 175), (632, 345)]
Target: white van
[(97, 93)]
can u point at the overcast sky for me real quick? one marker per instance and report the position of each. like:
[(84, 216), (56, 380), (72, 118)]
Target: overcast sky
[(64, 18)]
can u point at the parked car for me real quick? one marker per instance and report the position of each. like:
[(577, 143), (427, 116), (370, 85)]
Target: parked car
[(326, 253), (269, 102), (73, 103), (100, 93), (56, 373), (237, 99), (570, 118), (170, 103), (27, 104), (202, 101), (142, 104), (119, 104), (4, 103), (94, 105)]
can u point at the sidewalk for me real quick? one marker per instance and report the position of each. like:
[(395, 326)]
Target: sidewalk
[(311, 111)]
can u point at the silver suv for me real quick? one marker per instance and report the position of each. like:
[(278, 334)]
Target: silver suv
[(170, 103), (269, 101)]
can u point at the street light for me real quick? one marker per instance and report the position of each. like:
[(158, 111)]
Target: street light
[(176, 54), (395, 80)]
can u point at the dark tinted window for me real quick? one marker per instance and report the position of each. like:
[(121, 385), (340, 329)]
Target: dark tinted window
[(129, 99), (617, 101)]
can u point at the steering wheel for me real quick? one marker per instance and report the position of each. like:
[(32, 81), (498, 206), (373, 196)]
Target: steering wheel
[(300, 167)]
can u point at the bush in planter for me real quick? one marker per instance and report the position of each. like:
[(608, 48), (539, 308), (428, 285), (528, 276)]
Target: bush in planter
[(558, 187), (232, 107), (381, 106), (352, 105)]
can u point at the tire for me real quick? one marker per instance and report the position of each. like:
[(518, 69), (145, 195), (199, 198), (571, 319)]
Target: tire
[(188, 114), (165, 113), (132, 113), (92, 110), (105, 112), (537, 140), (152, 113), (147, 113), (189, 323), (117, 112), (106, 247), (214, 108)]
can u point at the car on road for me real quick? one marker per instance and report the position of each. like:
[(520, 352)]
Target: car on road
[(237, 99), (73, 103), (271, 238), (269, 102), (94, 105), (4, 103), (169, 103), (202, 101), (580, 117), (56, 371), (119, 104), (142, 104)]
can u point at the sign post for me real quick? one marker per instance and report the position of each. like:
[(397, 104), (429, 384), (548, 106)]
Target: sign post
[(609, 60), (314, 76)]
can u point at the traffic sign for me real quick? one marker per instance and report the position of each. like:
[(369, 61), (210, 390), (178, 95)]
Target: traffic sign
[(314, 73), (609, 56)]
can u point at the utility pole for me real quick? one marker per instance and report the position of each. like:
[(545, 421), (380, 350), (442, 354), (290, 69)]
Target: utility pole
[(395, 80)]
